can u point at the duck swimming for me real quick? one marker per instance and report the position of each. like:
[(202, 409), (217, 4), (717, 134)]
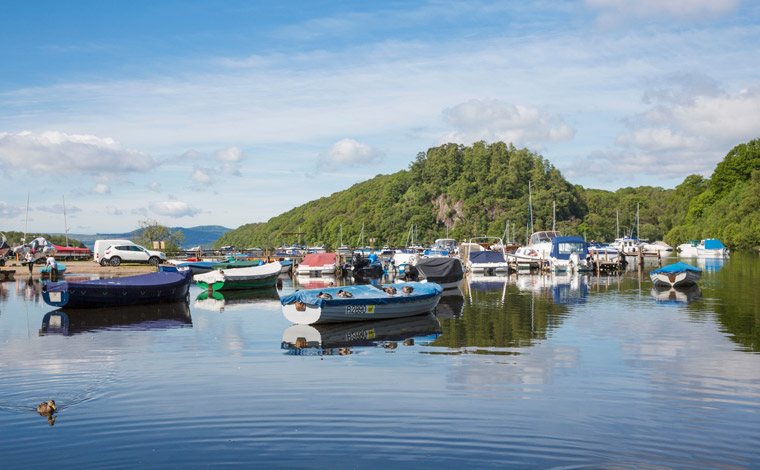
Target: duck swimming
[(46, 408)]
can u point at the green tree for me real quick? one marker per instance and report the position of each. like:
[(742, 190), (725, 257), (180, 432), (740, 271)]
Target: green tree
[(150, 232)]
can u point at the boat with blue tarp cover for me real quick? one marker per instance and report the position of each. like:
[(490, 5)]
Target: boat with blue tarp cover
[(162, 286), (676, 275), (569, 254), (360, 302), (487, 262)]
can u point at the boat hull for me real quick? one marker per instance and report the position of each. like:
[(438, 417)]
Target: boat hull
[(343, 313), (679, 279), (256, 277), (366, 303), (130, 290)]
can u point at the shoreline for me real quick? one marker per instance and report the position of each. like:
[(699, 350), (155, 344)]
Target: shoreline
[(79, 267)]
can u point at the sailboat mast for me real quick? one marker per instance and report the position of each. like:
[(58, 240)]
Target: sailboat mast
[(554, 215), (26, 223), (617, 223), (638, 235), (530, 205), (65, 223)]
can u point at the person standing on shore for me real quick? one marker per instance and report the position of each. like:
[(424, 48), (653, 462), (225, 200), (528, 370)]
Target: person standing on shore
[(52, 266), (29, 260)]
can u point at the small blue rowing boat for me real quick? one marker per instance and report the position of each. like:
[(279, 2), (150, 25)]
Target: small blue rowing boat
[(676, 275), (360, 302)]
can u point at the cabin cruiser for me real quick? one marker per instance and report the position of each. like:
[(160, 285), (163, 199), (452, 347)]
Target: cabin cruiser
[(627, 244), (708, 248), (536, 251), (569, 254)]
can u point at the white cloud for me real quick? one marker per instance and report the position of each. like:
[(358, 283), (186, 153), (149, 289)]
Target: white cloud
[(154, 186), (618, 11), (231, 159), (494, 120), (101, 188), (141, 211), (202, 177), (174, 209), (58, 209), (110, 210), (9, 211), (350, 153), (682, 133), (70, 153)]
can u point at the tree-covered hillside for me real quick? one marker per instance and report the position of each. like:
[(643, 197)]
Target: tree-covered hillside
[(473, 191)]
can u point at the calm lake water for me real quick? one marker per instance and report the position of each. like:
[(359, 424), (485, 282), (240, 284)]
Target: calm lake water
[(526, 372)]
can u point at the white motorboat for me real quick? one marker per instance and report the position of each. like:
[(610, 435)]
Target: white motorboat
[(708, 248), (536, 251), (317, 264), (360, 302)]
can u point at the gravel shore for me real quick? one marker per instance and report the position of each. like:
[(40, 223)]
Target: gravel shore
[(80, 267)]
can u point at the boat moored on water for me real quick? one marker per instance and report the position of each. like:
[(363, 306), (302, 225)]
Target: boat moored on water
[(537, 250), (162, 286), (708, 248), (360, 302), (448, 272), (676, 275), (569, 254), (317, 264), (254, 277)]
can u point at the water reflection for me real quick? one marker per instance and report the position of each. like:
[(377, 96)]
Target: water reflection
[(70, 321), (451, 304), (564, 288), (676, 295), (219, 301), (711, 264), (340, 338)]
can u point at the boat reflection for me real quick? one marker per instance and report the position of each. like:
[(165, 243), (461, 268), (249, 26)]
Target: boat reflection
[(218, 301), (564, 288), (315, 282), (451, 304), (711, 264), (340, 338), (70, 321), (676, 295), (487, 283)]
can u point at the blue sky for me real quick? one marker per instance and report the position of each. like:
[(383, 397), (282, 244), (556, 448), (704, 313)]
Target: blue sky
[(195, 113)]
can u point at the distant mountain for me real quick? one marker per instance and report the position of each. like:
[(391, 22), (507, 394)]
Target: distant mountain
[(204, 235)]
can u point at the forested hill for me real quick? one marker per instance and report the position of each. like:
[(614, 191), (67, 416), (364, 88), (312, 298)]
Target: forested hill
[(474, 190)]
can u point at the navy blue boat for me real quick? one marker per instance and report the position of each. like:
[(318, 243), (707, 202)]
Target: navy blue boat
[(163, 286)]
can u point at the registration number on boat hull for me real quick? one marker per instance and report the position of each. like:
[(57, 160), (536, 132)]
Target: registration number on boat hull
[(360, 309)]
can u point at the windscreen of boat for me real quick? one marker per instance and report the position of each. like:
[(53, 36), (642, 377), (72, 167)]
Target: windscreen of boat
[(563, 247)]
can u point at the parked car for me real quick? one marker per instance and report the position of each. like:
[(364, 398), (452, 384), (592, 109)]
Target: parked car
[(100, 247), (131, 253)]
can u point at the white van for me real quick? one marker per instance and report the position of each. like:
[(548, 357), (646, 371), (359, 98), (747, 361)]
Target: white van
[(100, 248)]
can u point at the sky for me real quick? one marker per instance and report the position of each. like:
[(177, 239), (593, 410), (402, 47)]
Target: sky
[(226, 113)]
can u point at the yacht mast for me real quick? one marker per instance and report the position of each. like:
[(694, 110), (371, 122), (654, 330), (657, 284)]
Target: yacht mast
[(26, 224), (638, 235), (65, 224), (617, 223), (530, 206), (554, 215)]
